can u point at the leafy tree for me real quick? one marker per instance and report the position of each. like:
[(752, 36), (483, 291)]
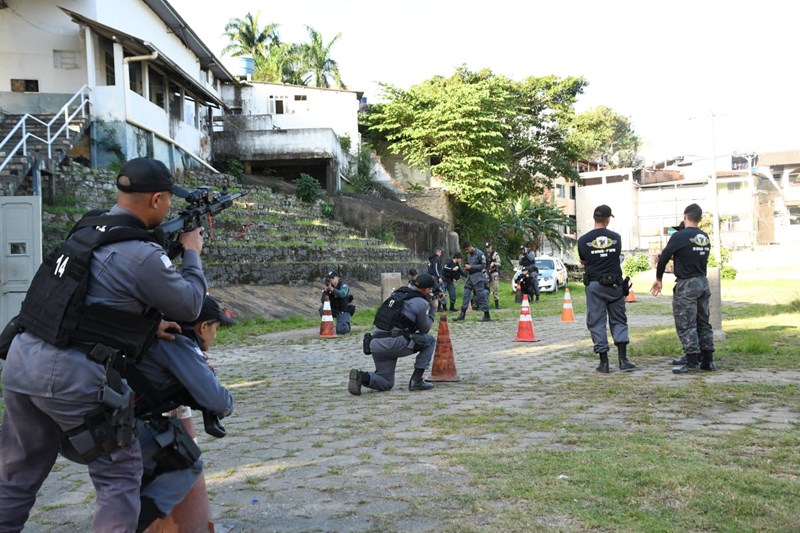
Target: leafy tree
[(493, 139), (247, 38), (601, 134), (531, 222), (316, 58)]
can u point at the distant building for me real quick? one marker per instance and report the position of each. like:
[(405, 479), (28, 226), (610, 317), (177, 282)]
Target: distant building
[(152, 86), (286, 130)]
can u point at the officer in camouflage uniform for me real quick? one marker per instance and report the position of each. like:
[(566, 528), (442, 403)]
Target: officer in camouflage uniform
[(690, 248), (599, 252), (493, 270), (475, 267)]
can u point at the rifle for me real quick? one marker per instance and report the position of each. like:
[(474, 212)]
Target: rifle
[(204, 203)]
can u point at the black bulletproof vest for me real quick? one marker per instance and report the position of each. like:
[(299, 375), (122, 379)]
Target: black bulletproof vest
[(54, 308), (390, 314)]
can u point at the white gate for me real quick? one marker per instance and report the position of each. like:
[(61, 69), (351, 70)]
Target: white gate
[(21, 252)]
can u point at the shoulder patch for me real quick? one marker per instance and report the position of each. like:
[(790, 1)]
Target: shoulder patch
[(166, 261)]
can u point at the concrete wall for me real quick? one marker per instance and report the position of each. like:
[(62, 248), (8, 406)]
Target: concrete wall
[(622, 197), (433, 202)]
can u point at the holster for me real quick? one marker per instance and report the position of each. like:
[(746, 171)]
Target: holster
[(175, 449), (417, 341), (367, 340), (9, 332), (626, 286)]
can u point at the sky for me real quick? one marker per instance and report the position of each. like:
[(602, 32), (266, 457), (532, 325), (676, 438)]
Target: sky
[(694, 77)]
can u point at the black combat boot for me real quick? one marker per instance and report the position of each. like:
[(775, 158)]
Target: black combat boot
[(486, 317), (417, 383), (707, 360), (680, 361), (624, 364), (452, 307), (354, 382), (603, 367), (497, 304), (461, 316), (690, 366)]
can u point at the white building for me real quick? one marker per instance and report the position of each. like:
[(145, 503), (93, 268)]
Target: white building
[(289, 129), (152, 84)]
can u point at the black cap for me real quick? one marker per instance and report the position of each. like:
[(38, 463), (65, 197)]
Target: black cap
[(602, 211), (487, 245), (333, 274), (424, 281), (680, 226), (212, 311), (693, 208), (457, 255), (412, 271), (145, 174)]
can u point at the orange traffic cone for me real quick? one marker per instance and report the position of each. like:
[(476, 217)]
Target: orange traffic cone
[(444, 364), (194, 511), (525, 328), (630, 297), (326, 329), (567, 315)]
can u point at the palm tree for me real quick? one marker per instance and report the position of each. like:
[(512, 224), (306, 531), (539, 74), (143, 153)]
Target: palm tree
[(248, 39), (316, 56), (533, 222)]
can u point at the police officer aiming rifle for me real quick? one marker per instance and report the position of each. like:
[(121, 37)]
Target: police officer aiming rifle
[(92, 309)]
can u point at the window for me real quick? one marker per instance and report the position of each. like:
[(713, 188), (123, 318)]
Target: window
[(572, 192), (135, 73), (175, 106), (615, 179), (65, 59), (189, 110), (106, 48), (277, 105), (794, 215), (734, 186), (592, 181), (561, 190), (158, 88), (18, 248), (794, 180), (25, 86)]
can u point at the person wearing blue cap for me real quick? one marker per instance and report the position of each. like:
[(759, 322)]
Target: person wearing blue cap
[(174, 373)]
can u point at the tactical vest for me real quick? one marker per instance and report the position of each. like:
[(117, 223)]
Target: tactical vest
[(55, 309), (390, 314)]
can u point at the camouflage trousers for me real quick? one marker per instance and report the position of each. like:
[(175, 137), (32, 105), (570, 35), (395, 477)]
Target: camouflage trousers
[(494, 284), (690, 302)]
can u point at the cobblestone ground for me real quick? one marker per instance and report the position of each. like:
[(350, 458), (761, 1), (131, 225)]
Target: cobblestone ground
[(304, 455)]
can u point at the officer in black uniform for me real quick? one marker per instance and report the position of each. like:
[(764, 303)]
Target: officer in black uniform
[(402, 324), (529, 284), (74, 390), (451, 272), (172, 374), (599, 251), (690, 248), (342, 308)]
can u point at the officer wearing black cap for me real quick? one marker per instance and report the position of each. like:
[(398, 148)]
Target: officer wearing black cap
[(62, 380), (341, 300), (402, 324), (600, 252), (690, 248), (451, 272), (176, 373)]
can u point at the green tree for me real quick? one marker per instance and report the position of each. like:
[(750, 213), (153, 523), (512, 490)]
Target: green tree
[(532, 222), (323, 71), (603, 135), (493, 139), (247, 38)]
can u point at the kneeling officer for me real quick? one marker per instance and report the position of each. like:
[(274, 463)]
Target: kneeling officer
[(402, 324)]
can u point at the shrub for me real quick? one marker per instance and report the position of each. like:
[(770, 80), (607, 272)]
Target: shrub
[(634, 263), (234, 168), (326, 208), (345, 143), (307, 188), (360, 172)]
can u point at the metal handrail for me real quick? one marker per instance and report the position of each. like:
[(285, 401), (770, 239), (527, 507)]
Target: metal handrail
[(23, 143)]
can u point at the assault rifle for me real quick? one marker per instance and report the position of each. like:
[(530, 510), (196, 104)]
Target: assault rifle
[(203, 203)]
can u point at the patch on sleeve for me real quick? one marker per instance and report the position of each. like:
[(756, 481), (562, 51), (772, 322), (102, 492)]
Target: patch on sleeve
[(166, 261)]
